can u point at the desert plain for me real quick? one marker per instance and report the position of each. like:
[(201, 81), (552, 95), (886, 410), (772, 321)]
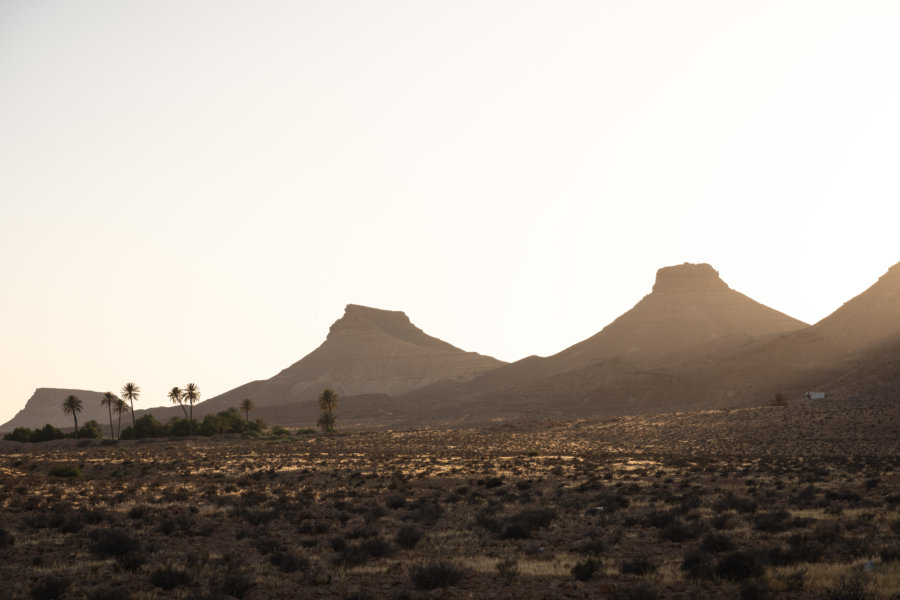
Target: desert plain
[(794, 502)]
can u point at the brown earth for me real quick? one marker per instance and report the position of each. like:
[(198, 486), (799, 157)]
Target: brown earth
[(782, 502)]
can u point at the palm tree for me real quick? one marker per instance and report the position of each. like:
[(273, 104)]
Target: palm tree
[(246, 406), (120, 408), (327, 402), (176, 396), (72, 406), (131, 392), (191, 394), (108, 400)]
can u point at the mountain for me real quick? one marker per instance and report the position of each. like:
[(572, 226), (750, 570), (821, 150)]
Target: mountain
[(641, 362), (690, 310), (367, 351), (45, 406), (869, 320)]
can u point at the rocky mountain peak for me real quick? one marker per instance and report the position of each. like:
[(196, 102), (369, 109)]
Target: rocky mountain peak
[(362, 320), (689, 277)]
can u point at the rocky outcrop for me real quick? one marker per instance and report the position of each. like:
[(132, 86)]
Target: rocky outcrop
[(45, 406), (367, 351)]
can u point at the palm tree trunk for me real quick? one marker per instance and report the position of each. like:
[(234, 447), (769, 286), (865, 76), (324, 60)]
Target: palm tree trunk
[(119, 430), (184, 409), (191, 421), (132, 415), (76, 423), (112, 432)]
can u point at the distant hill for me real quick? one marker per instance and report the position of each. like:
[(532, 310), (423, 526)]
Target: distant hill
[(45, 406)]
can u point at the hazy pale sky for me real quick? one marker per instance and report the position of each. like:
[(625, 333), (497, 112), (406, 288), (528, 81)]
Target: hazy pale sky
[(193, 191)]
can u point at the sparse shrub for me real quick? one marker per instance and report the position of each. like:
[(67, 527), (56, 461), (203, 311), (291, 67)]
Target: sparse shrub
[(593, 546), (772, 521), (716, 542), (236, 584), (139, 512), (395, 501), (755, 589), (109, 592), (724, 521), (435, 574), (66, 471), (680, 532), (738, 566), (72, 524), (778, 399), (408, 536), (114, 542), (640, 565), (508, 569), (357, 553), (789, 582), (51, 588), (640, 590), (522, 524), (169, 577), (337, 543), (288, 562), (731, 502), (698, 565), (584, 570), (888, 554), (7, 540), (131, 561), (827, 532), (266, 544), (850, 587)]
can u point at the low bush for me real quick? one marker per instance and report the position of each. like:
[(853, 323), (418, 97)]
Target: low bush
[(408, 536), (50, 588), (114, 542), (851, 587), (698, 565), (236, 584), (508, 569), (716, 542), (435, 574), (584, 570), (66, 471), (7, 539), (640, 590), (169, 577), (288, 562), (109, 592), (640, 565), (739, 566)]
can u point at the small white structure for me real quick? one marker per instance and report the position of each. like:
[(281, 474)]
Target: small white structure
[(815, 395)]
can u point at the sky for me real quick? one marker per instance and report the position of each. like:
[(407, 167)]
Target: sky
[(193, 191)]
